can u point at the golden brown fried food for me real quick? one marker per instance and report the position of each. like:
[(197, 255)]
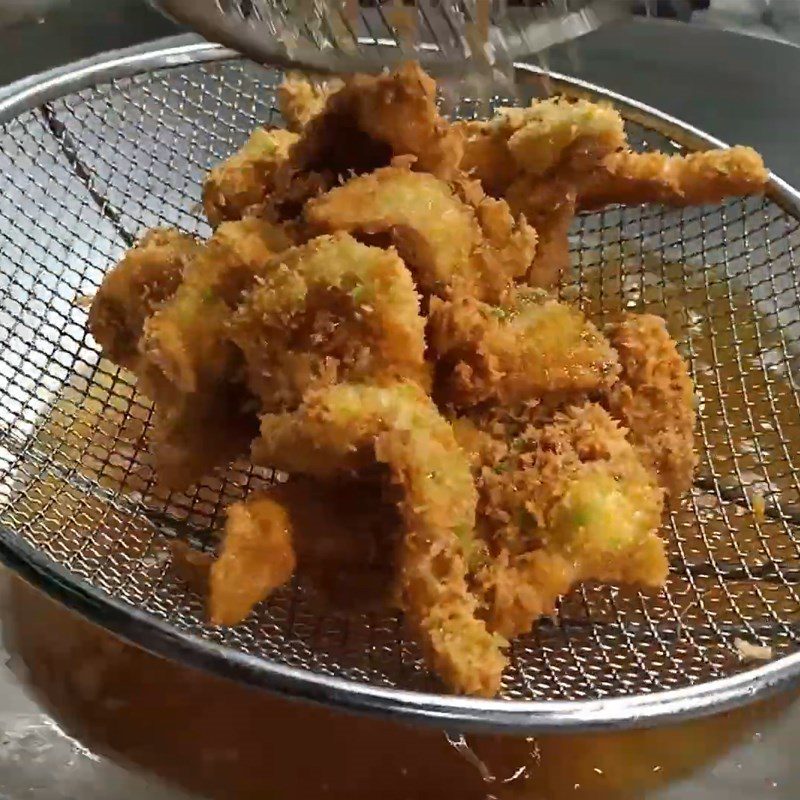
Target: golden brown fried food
[(564, 498), (508, 244), (340, 534), (204, 416), (546, 134), (486, 156), (550, 206), (300, 99), (654, 399), (350, 427), (257, 557), (191, 434), (148, 275), (329, 311), (248, 176), (705, 177), (372, 119), (445, 241), (184, 341), (537, 140), (434, 231), (527, 346), (569, 440)]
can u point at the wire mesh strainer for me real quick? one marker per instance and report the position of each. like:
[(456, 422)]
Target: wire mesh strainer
[(91, 155), (368, 35)]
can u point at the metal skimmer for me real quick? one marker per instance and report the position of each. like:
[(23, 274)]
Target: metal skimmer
[(368, 35), (93, 154)]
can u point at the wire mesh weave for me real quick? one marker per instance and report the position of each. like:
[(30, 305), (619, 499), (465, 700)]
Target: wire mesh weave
[(82, 176), (366, 35)]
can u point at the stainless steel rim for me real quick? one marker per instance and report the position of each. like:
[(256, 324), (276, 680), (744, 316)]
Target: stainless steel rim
[(162, 638)]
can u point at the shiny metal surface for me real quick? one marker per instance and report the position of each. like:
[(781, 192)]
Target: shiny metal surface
[(355, 37), (93, 154)]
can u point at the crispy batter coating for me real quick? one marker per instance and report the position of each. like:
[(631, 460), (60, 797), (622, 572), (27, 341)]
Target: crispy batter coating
[(148, 275), (705, 177), (248, 176), (546, 133), (351, 426), (654, 399), (486, 156), (375, 118), (340, 534), (434, 231), (329, 311), (257, 557), (301, 99), (527, 346), (563, 498), (446, 241), (204, 416), (191, 434), (508, 243), (184, 342), (368, 258), (550, 206), (537, 140)]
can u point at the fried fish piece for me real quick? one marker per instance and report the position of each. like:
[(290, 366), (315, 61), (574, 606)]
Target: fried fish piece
[(329, 311), (248, 176), (300, 99), (373, 119), (563, 498), (528, 345), (148, 275), (184, 342), (446, 241), (654, 398), (708, 176), (348, 427)]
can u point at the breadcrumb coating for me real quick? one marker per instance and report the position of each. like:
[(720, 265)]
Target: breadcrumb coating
[(654, 398), (329, 311), (535, 141), (149, 274), (679, 180), (528, 345), (349, 427), (563, 498), (448, 242), (248, 176), (184, 342), (373, 119), (543, 135), (301, 99), (486, 156), (257, 557), (376, 261)]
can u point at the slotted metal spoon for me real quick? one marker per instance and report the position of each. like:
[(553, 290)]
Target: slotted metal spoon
[(93, 154)]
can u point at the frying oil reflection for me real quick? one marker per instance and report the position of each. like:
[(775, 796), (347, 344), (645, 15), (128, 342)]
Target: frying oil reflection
[(222, 740)]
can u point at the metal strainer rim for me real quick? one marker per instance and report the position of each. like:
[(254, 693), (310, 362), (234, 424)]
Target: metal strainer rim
[(162, 638)]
